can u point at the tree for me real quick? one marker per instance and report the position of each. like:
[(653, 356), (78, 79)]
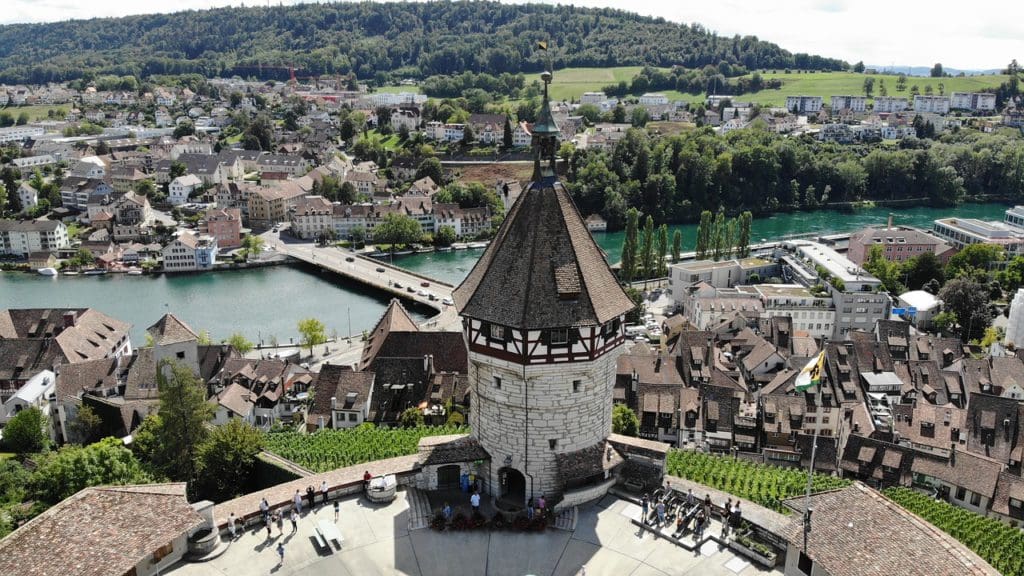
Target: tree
[(624, 420), (901, 82), (936, 71), (662, 253), (869, 86), (397, 229), (411, 417), (145, 188), (182, 424), (743, 237), (26, 432), (677, 244), (3, 199), (967, 299), (944, 322), (63, 473), (859, 67), (430, 167), (240, 343), (629, 245), (921, 270), (882, 90), (227, 459), (252, 245), (506, 137), (185, 128), (87, 425), (647, 248), (177, 169), (467, 135), (312, 332), (720, 237), (885, 270), (259, 135), (22, 118), (445, 236), (704, 232), (974, 260)]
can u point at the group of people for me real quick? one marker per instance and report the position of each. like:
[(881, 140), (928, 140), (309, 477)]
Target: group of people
[(537, 507), (732, 515)]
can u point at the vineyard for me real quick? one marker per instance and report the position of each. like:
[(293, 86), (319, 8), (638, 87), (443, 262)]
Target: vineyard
[(762, 484), (329, 449), (999, 544)]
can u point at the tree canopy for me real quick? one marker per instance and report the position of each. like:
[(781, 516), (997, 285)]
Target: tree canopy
[(25, 433), (62, 473), (226, 461)]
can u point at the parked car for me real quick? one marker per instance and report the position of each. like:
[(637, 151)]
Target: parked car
[(448, 302), (349, 259), (410, 290), (379, 269), (397, 285), (423, 293), (425, 284)]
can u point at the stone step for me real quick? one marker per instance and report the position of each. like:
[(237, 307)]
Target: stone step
[(566, 519), (420, 512)]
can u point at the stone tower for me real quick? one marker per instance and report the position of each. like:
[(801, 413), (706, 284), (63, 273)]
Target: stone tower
[(543, 318)]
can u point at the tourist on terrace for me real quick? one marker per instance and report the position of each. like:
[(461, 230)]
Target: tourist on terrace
[(698, 526), (707, 506), (529, 509), (297, 499), (324, 491), (735, 516), (264, 509), (474, 501), (660, 508), (311, 495), (279, 518), (337, 509), (644, 506), (542, 503), (725, 518), (447, 512), (690, 498), (367, 477)]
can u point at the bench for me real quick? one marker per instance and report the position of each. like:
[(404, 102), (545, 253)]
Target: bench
[(326, 531), (321, 542)]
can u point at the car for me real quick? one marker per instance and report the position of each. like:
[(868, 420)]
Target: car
[(448, 302), (349, 259), (425, 284), (423, 293), (431, 296), (276, 229), (410, 290), (397, 285), (379, 269)]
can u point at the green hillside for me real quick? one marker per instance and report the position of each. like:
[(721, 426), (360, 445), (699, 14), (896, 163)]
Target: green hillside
[(377, 41), (571, 83)]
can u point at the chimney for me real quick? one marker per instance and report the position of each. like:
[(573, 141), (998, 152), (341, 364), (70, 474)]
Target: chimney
[(657, 364), (426, 363), (889, 225), (334, 403), (69, 319), (952, 453), (319, 422)]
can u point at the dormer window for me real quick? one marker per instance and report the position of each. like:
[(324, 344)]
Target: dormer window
[(559, 336), (497, 332)]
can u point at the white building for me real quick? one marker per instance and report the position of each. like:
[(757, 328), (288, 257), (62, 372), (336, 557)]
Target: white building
[(813, 313), (521, 135), (21, 238), (890, 104), (920, 307), (189, 253), (89, 167), (33, 394), (961, 232), (803, 104), (593, 98), (653, 99), (1015, 326), (313, 217), (19, 133), (973, 101), (28, 195), (852, 103), (181, 188), (933, 104)]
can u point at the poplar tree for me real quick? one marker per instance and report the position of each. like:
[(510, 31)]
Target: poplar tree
[(743, 240), (629, 245), (704, 234), (647, 248), (662, 250), (677, 245)]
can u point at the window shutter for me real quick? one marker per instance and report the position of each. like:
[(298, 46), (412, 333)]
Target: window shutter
[(508, 334), (574, 336)]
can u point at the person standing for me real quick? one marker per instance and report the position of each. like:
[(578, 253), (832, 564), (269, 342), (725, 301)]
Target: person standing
[(698, 527), (264, 509), (280, 553), (447, 512), (295, 522), (279, 517), (529, 509), (707, 506), (660, 508), (231, 525), (337, 509), (267, 522), (474, 501), (690, 498), (297, 499), (311, 495), (725, 518), (644, 506), (735, 516), (324, 491), (542, 503)]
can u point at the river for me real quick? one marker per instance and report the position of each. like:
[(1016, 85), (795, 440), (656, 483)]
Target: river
[(270, 301), (264, 302)]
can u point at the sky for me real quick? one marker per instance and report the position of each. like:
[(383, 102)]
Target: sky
[(979, 34)]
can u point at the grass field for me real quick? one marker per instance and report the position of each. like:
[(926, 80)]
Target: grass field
[(399, 89), (573, 82), (36, 112)]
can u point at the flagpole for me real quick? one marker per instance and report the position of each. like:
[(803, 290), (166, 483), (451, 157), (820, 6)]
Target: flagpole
[(814, 447)]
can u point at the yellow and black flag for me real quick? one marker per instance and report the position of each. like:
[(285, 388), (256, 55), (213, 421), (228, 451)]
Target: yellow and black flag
[(542, 44)]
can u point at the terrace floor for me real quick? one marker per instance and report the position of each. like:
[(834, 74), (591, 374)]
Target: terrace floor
[(377, 541)]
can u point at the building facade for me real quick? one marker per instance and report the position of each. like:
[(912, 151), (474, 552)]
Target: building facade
[(20, 238)]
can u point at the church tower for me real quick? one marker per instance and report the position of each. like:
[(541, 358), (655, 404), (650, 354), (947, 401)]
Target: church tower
[(543, 318)]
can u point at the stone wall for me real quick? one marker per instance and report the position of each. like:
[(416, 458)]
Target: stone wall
[(584, 495), (519, 418)]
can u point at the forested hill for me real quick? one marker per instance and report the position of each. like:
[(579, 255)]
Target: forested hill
[(415, 39)]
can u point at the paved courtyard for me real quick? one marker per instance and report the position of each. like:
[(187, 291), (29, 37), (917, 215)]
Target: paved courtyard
[(377, 541)]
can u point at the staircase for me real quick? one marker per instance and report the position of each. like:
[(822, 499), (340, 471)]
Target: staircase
[(566, 519), (420, 512)]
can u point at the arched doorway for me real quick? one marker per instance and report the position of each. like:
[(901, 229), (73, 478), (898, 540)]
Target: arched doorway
[(513, 485), (448, 477)]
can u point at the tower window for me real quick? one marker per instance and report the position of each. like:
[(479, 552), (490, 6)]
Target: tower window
[(553, 443), (497, 332), (559, 336), (576, 385), (497, 382)]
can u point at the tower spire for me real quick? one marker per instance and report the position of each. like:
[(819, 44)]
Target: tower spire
[(545, 137)]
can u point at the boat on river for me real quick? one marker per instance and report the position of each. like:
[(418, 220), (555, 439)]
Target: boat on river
[(402, 253), (444, 248), (47, 271), (70, 273), (95, 272), (477, 245), (134, 272)]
